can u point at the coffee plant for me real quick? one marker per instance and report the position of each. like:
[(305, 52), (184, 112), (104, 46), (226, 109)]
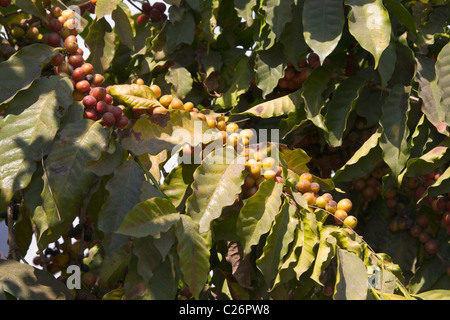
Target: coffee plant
[(225, 150)]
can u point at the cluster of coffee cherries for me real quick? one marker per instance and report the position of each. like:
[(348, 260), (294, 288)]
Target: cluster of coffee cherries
[(294, 76), (58, 257), (340, 210), (155, 12)]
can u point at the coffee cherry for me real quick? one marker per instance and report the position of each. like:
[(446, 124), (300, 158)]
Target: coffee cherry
[(306, 176), (57, 60), (188, 106), (108, 119), (89, 279), (55, 25), (331, 206), (146, 7), (345, 205), (269, 174), (321, 202), (89, 101), (91, 114), (99, 93), (78, 74), (155, 15), (424, 237), (122, 122), (315, 187), (415, 231), (340, 216), (83, 86), (33, 33), (177, 104), (71, 47), (101, 107), (160, 6), (165, 100), (303, 186), (310, 198), (159, 111), (156, 90), (88, 68), (422, 221), (76, 60), (142, 18), (351, 222), (52, 39), (431, 246), (5, 3), (98, 80), (255, 170)]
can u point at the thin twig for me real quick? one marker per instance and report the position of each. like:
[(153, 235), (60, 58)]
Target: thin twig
[(13, 252)]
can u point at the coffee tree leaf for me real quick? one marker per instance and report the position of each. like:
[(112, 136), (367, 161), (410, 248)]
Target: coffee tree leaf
[(269, 68), (244, 9), (312, 94), (340, 107), (369, 23), (149, 218), (402, 14), (176, 185), (322, 26), (443, 75), (278, 13), (351, 278), (193, 252), (34, 7), (258, 213), (430, 93), (393, 140), (135, 96), (123, 23), (277, 242), (101, 44), (25, 282), (438, 294), (325, 252), (277, 107), (28, 130), (310, 242), (441, 186), (294, 45), (362, 162), (242, 74), (181, 80), (216, 184), (66, 178), (124, 193), (27, 64), (105, 7)]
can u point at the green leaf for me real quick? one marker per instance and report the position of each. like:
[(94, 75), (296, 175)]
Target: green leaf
[(434, 295), (294, 45), (193, 253), (269, 68), (370, 25), (430, 93), (177, 182), (170, 132), (313, 89), (276, 107), (28, 130), (402, 14), (181, 31), (258, 213), (124, 193), (322, 25), (22, 68), (362, 162), (244, 10), (149, 218), (242, 74), (351, 278), (33, 7), (181, 80), (395, 131), (101, 44), (443, 74), (386, 66), (296, 160), (123, 23), (66, 177), (216, 184), (339, 109), (25, 282), (310, 242), (105, 7), (441, 186), (326, 251), (277, 242), (278, 13), (134, 96)]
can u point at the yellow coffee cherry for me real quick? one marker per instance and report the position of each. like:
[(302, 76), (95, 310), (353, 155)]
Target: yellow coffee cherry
[(234, 139), (306, 176), (269, 163), (331, 206), (189, 106), (211, 122), (321, 202), (310, 198), (156, 90), (166, 100), (221, 125), (177, 104), (255, 170), (315, 187), (269, 174), (303, 186), (351, 222), (232, 127), (344, 204), (340, 216)]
